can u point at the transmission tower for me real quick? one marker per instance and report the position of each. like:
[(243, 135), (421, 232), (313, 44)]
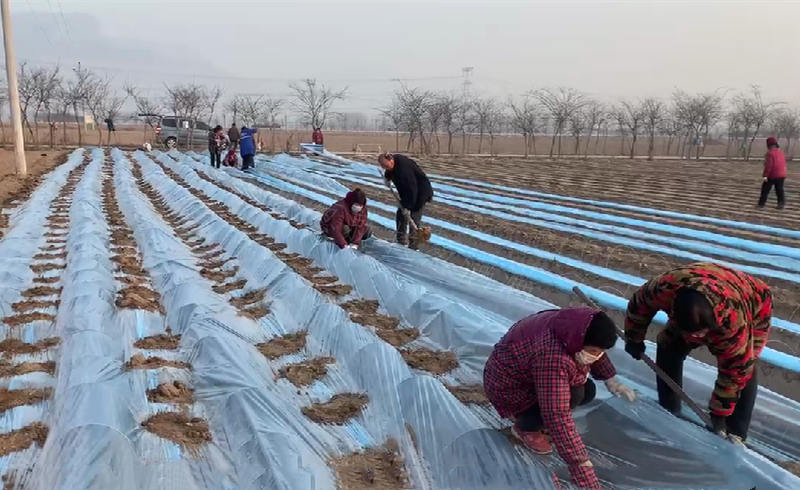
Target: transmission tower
[(466, 72)]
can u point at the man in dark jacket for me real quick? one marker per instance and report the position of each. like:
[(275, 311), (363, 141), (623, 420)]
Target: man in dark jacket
[(234, 135), (414, 189)]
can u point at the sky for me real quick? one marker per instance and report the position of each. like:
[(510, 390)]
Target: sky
[(608, 49)]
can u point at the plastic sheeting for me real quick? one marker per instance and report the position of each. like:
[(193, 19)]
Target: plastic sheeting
[(633, 444)]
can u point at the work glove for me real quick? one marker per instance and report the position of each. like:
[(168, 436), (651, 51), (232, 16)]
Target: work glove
[(353, 246), (718, 425), (635, 349), (386, 181), (618, 389)]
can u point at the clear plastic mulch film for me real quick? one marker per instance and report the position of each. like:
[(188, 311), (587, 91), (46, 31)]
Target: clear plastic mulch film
[(455, 445)]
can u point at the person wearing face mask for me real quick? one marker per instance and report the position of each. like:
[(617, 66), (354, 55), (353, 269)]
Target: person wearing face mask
[(708, 304), (539, 372), (346, 220)]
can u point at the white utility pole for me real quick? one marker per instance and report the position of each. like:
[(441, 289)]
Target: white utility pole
[(13, 90)]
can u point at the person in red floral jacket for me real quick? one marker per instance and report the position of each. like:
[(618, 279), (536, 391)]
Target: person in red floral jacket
[(539, 372), (708, 304), (346, 220)]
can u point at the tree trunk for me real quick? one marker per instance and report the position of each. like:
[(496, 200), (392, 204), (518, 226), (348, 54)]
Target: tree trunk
[(622, 145), (577, 144), (651, 147), (525, 142), (633, 145), (480, 142), (450, 142), (669, 144), (533, 143), (99, 135), (552, 145)]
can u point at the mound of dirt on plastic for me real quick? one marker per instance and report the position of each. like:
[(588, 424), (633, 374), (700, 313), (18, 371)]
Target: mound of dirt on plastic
[(212, 255), (20, 439), (792, 467), (470, 394), (187, 432), (39, 268), (254, 312), (229, 286), (174, 392), (338, 410), (365, 312), (281, 346), (40, 291), (381, 468), (50, 256), (398, 337), (276, 247), (306, 372), (139, 298), (334, 289), (25, 318), (206, 248), (46, 280), (16, 346), (138, 361), (7, 369), (436, 362), (218, 276), (16, 398), (33, 305), (248, 298), (160, 341)]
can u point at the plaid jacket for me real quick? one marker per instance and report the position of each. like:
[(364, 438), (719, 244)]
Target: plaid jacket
[(340, 215), (534, 364), (743, 308)]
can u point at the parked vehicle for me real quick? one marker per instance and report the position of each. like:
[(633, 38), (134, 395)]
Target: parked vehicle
[(174, 131)]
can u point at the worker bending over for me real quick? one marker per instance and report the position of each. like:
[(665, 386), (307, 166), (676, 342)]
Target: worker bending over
[(708, 304), (346, 220), (415, 192), (539, 372)]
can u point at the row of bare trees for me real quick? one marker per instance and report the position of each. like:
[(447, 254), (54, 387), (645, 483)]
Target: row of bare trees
[(684, 122)]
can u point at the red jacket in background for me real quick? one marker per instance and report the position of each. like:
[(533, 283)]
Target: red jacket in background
[(316, 137), (534, 364), (340, 215), (774, 164)]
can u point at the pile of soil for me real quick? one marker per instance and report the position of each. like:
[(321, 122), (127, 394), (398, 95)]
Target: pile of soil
[(41, 291), (16, 398), (50, 256), (218, 276), (248, 298), (207, 248), (215, 264), (29, 305), (365, 312), (281, 346), (174, 392), (212, 255), (46, 280), (398, 337), (374, 468), (227, 287), (338, 410), (306, 372), (25, 318), (324, 279), (160, 341), (436, 362), (792, 467), (39, 268), (7, 369), (187, 432), (20, 439), (16, 346), (470, 394), (139, 298), (334, 289), (276, 247), (138, 361), (254, 312)]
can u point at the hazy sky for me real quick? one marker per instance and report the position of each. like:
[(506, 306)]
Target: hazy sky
[(608, 49)]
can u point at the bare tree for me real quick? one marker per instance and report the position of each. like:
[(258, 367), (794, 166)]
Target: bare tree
[(595, 115), (150, 110), (697, 115), (188, 102), (78, 93), (413, 105), (210, 99), (495, 120), (485, 114), (652, 116), (434, 112), (314, 101), (394, 113), (3, 102), (751, 113), (577, 125), (234, 107), (619, 115), (561, 104), (786, 124), (251, 109), (634, 119), (270, 108), (671, 127), (449, 108), (104, 104), (526, 119), (28, 86), (465, 121)]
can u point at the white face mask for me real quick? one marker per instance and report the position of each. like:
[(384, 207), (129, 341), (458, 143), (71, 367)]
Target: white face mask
[(356, 208), (585, 357)]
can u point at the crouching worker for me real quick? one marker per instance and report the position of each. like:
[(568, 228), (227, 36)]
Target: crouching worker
[(346, 221), (539, 372), (708, 304)]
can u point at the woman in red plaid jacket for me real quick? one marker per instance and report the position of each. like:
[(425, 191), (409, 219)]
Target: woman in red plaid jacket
[(346, 220), (539, 372)]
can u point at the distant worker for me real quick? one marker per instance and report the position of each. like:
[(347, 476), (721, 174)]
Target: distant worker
[(539, 372), (774, 173), (216, 140), (316, 136), (415, 193), (708, 304), (248, 147), (346, 221), (234, 135)]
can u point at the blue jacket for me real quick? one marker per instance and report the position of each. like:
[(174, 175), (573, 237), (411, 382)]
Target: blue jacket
[(247, 142)]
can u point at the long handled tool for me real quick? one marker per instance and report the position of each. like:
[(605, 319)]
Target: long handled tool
[(652, 365), (423, 233)]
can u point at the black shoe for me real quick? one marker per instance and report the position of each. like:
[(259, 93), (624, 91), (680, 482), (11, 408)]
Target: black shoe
[(781, 206)]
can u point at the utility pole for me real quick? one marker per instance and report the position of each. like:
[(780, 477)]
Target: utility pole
[(466, 72), (13, 90)]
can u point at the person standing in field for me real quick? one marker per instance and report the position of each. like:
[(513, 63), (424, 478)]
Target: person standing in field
[(539, 372), (708, 304), (415, 193), (316, 136), (247, 146), (234, 135), (216, 139), (346, 220), (774, 173)]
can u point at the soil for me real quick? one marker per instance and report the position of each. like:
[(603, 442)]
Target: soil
[(218, 276), (306, 372), (174, 392), (470, 394), (41, 291), (281, 346), (229, 286), (16, 398), (207, 248), (792, 467), (338, 410), (50, 256), (160, 341), (334, 289), (436, 362), (139, 298), (20, 439), (25, 318), (7, 370), (381, 468), (215, 264), (139, 361), (18, 188), (248, 298), (39, 268), (365, 312), (212, 255), (187, 432), (46, 280), (16, 346), (398, 337), (33, 305), (254, 312)]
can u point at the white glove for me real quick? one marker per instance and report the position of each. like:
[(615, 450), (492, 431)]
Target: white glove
[(353, 246), (618, 389)]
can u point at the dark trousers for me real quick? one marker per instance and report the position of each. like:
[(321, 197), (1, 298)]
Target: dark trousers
[(215, 157), (403, 227), (247, 161), (670, 357), (531, 419), (348, 233), (767, 186)]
